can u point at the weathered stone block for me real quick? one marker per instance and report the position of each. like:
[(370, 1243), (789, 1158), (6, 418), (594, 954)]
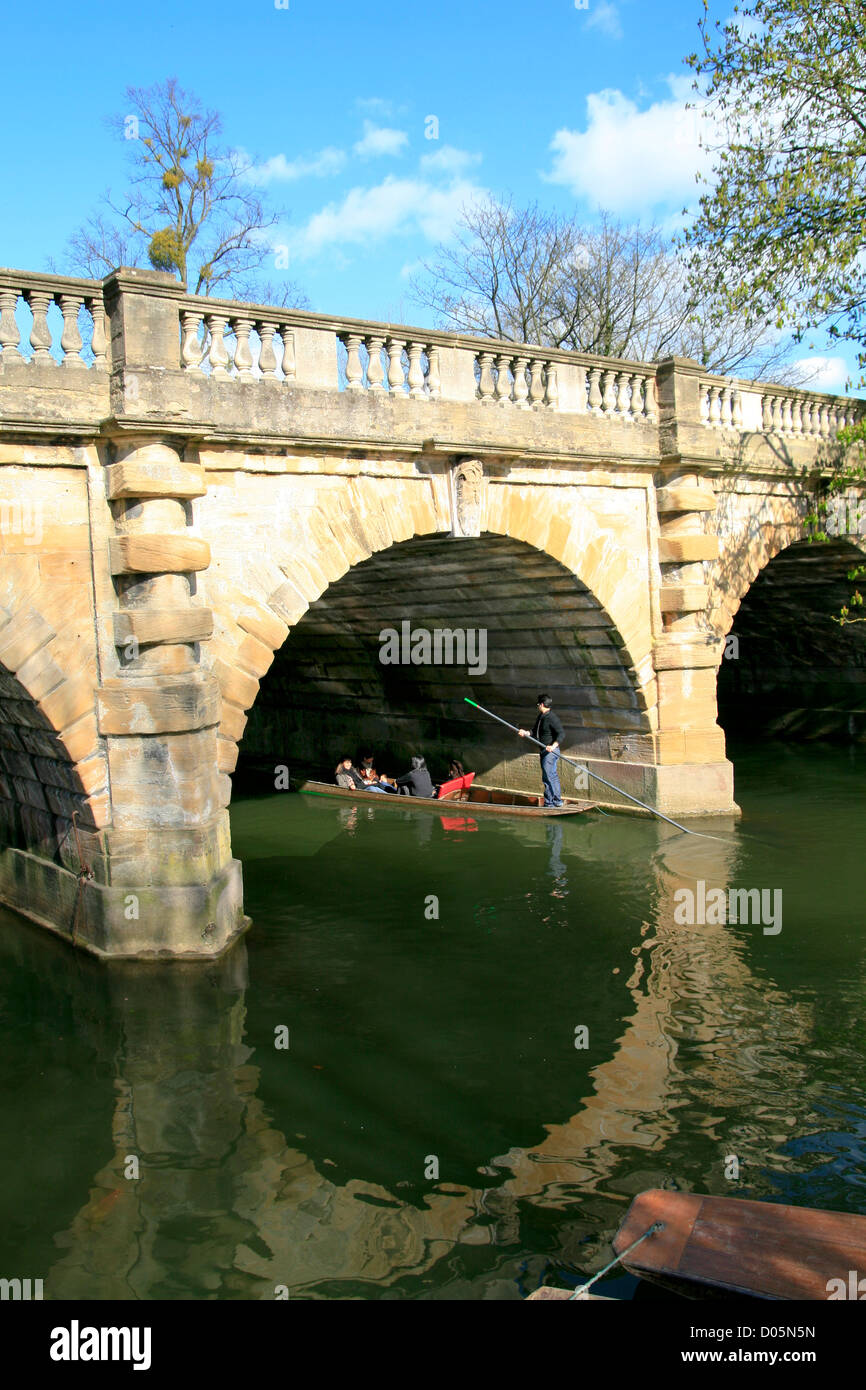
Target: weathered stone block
[(143, 477), (685, 497), (171, 705), (146, 553), (683, 598), (22, 636), (686, 549), (167, 625)]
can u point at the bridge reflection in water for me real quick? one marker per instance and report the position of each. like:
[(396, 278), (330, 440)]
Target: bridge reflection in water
[(261, 1168)]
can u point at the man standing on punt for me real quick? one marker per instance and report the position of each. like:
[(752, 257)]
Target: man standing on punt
[(549, 731)]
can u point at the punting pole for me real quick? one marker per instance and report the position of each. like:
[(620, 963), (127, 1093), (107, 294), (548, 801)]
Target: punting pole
[(574, 763)]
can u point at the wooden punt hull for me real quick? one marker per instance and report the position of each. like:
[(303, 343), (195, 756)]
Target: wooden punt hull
[(474, 802), (734, 1246)]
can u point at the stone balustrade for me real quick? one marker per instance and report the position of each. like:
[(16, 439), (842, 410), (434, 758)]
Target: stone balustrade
[(136, 320), (74, 305), (383, 361), (626, 391), (228, 340), (779, 410)]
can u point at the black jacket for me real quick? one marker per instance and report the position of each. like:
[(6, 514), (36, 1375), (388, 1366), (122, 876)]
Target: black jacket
[(418, 782), (548, 729)]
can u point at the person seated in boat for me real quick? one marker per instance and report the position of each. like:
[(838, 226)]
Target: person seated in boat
[(347, 775), (367, 770), (418, 781), (455, 770)]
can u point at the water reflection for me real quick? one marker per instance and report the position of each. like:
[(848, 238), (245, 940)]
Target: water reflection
[(412, 1039)]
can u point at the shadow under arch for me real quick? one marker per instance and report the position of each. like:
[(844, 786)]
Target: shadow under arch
[(787, 668), (512, 620)]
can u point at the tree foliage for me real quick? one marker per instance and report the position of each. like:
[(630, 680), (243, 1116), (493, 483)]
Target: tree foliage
[(782, 221), (189, 209), (524, 274)]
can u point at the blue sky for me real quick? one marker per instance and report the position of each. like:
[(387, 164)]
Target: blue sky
[(579, 106)]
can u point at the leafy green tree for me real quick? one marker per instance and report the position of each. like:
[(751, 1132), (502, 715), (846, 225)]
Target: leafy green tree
[(189, 209), (781, 224)]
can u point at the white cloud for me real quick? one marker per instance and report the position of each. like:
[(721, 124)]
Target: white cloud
[(823, 373), (629, 160), (449, 160), (604, 16), (395, 206), (278, 169), (379, 140)]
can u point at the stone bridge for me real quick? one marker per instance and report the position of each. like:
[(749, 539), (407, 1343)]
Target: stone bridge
[(212, 511)]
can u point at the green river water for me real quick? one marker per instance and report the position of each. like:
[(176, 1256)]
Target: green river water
[(422, 1043)]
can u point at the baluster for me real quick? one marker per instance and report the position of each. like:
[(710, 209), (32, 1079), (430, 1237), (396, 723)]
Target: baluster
[(726, 407), (595, 397), (622, 394), (192, 351), (808, 416), (767, 414), (551, 392), (40, 333), (218, 355), (354, 370), (503, 380), (98, 340), (705, 403), (10, 336), (434, 378), (776, 406), (396, 374), (608, 394), (823, 421), (798, 415), (243, 355), (267, 356), (485, 384), (288, 362), (715, 406), (787, 423), (70, 339), (521, 388), (375, 369), (636, 403), (650, 390), (536, 383), (416, 371), (737, 410)]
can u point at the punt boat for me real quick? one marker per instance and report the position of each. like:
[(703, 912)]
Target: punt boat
[(712, 1246), (461, 790)]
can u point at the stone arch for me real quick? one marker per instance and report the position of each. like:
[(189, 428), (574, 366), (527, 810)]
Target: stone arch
[(255, 611), (787, 668), (54, 772), (749, 542)]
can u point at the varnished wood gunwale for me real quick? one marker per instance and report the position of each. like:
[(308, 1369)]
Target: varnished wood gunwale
[(427, 803), (762, 1249)]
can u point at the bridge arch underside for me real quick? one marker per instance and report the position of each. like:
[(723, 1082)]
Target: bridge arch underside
[(42, 797), (789, 670), (535, 624)]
